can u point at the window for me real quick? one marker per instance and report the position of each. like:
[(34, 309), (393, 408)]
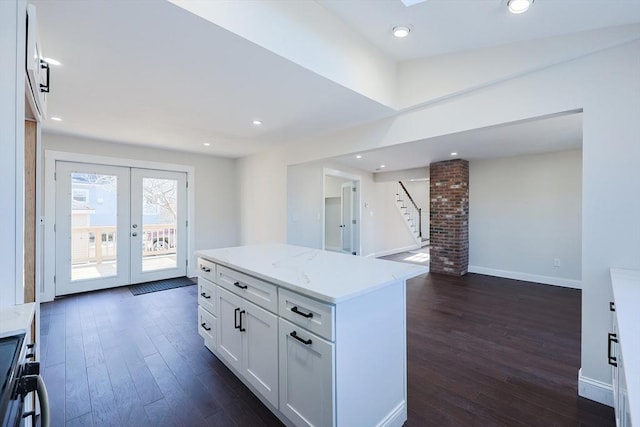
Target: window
[(81, 195)]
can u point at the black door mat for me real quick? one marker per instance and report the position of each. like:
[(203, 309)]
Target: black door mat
[(160, 285)]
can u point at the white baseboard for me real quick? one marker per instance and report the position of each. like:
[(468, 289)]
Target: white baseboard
[(595, 390), (536, 278), (394, 251)]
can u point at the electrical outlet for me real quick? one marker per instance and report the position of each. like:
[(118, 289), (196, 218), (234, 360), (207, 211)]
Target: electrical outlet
[(556, 262)]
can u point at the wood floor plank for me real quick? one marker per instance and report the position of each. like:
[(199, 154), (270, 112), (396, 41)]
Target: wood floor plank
[(77, 399), (103, 403), (175, 396), (128, 402)]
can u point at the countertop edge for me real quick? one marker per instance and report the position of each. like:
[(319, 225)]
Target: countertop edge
[(307, 292), (19, 321)]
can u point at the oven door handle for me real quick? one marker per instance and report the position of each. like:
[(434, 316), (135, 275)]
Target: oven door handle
[(43, 398)]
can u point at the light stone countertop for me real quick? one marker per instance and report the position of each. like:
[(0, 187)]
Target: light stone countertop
[(626, 294), (16, 318), (326, 276)]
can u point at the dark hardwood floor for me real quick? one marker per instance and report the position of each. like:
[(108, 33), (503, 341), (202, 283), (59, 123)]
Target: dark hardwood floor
[(481, 351)]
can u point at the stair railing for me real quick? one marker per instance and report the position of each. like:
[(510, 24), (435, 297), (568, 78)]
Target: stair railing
[(411, 209)]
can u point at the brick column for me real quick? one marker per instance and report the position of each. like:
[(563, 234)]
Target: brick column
[(449, 217)]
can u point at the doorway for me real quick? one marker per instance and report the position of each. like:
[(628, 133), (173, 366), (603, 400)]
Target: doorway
[(341, 211), (117, 226)]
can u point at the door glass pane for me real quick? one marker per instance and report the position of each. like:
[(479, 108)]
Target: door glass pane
[(159, 223), (93, 226)]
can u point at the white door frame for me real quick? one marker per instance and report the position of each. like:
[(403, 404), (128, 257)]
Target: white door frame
[(357, 182), (47, 290)]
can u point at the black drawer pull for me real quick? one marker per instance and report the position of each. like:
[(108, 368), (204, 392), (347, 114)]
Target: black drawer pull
[(305, 342), (296, 311), (203, 295), (204, 326), (235, 318), (239, 285), (205, 269), (612, 306), (613, 361)]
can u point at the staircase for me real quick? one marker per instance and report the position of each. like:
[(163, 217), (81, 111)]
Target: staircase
[(411, 214)]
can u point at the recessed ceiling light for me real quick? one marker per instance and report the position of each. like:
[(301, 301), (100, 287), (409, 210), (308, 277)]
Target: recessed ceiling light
[(52, 61), (454, 153), (206, 144), (257, 122), (519, 6), (401, 31), (382, 166), (56, 119), (358, 156)]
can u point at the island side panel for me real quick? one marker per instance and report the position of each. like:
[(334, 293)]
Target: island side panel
[(371, 358)]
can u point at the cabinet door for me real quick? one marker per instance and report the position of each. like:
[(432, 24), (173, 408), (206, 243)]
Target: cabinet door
[(260, 350), (307, 387), (229, 337)]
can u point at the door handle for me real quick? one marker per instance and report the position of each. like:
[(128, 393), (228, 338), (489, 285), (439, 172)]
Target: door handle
[(613, 361), (235, 318), (241, 328)]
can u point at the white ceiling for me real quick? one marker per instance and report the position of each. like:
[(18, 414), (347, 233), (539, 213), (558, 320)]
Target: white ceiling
[(541, 135), (446, 26), (150, 73)]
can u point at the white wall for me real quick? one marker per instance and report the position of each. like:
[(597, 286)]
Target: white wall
[(12, 46), (605, 85), (524, 212), (216, 218), (262, 180)]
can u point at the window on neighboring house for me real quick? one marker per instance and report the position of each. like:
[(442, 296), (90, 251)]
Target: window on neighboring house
[(81, 196)]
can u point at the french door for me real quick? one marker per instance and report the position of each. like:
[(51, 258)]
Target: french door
[(117, 226)]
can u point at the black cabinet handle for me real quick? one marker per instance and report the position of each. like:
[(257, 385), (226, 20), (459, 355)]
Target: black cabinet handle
[(241, 328), (303, 341), (203, 295), (239, 285), (296, 311), (612, 306), (45, 66), (235, 318), (205, 269), (204, 326), (613, 361)]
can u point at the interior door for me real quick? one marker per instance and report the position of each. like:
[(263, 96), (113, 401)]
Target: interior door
[(347, 217), (92, 210), (158, 224)]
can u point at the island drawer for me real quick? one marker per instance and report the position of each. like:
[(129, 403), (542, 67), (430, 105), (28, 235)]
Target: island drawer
[(207, 269), (255, 290), (312, 315), (207, 326), (207, 295)]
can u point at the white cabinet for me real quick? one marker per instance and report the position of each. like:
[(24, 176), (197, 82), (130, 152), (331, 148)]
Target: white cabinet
[(624, 346), (307, 371), (320, 338), (248, 341)]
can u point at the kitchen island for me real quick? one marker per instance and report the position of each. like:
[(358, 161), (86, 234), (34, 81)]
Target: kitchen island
[(319, 337)]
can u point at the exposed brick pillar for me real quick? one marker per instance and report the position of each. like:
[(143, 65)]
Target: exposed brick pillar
[(449, 217)]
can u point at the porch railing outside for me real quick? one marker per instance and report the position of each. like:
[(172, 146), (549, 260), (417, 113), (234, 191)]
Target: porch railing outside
[(95, 245)]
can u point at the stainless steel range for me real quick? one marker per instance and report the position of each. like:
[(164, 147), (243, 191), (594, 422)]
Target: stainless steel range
[(19, 377)]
